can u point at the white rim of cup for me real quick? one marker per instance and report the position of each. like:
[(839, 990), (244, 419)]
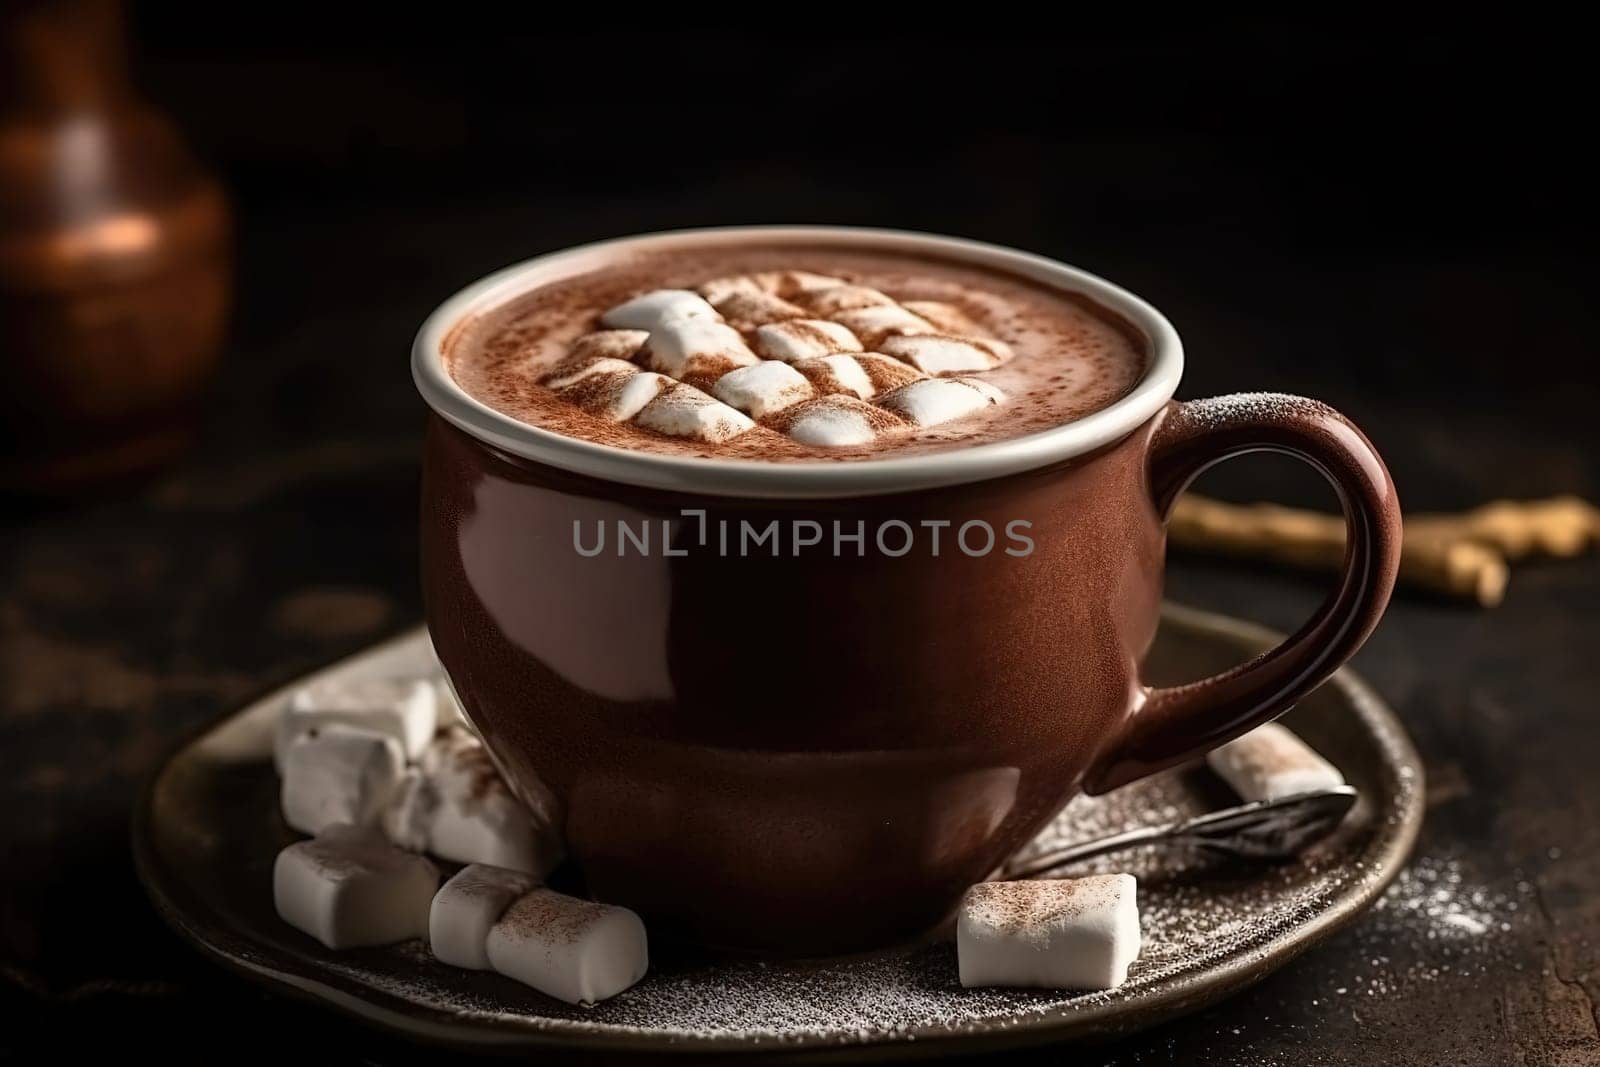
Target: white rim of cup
[(755, 478)]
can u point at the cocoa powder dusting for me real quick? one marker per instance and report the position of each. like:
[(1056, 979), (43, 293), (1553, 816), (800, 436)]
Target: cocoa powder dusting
[(1018, 907), (554, 918), (1072, 358)]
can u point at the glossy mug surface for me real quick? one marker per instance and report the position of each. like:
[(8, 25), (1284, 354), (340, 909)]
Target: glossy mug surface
[(817, 743)]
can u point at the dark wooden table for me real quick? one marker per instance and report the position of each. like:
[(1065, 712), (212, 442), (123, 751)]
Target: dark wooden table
[(287, 538)]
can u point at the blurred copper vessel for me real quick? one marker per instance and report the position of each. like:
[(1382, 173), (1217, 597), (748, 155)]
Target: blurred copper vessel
[(114, 256)]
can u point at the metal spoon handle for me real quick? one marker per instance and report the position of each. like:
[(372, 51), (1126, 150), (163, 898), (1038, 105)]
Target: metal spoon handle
[(1060, 857), (1263, 829)]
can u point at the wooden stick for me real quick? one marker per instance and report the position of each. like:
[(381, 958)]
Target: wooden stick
[(1461, 555)]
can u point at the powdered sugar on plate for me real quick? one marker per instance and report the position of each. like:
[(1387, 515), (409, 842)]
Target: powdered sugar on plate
[(211, 829), (1196, 913)]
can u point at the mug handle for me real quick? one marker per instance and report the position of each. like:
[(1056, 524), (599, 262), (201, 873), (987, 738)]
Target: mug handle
[(1172, 725)]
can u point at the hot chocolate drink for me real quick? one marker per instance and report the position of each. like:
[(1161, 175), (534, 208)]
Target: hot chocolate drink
[(794, 353), (802, 704)]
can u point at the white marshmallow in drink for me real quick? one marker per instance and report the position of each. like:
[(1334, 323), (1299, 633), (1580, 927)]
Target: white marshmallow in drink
[(763, 389), (946, 318), (837, 374), (935, 354), (349, 888), (837, 421), (403, 708), (606, 344), (836, 298), (684, 411), (872, 325), (1078, 933), (931, 401), (887, 374), (610, 388), (790, 283), (571, 949), (338, 774), (648, 311), (783, 283), (1270, 762), (630, 396), (680, 346), (569, 374), (749, 309), (719, 289), (466, 907), (802, 338)]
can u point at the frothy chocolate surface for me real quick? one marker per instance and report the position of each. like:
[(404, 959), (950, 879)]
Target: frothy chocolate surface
[(1066, 358)]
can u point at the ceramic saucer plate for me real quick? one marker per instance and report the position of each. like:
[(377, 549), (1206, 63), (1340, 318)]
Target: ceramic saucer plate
[(208, 829)]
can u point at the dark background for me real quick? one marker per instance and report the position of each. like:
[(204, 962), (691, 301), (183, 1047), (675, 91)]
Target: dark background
[(1374, 212), (1393, 218)]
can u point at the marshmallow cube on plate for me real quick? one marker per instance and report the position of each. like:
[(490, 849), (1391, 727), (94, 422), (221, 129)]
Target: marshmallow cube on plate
[(456, 806), (1271, 762), (1079, 933), (571, 949), (404, 708), (407, 817), (466, 907), (339, 774), (479, 820), (349, 888), (450, 712)]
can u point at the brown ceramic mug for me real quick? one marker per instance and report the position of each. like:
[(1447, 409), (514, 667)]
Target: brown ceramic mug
[(820, 750)]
